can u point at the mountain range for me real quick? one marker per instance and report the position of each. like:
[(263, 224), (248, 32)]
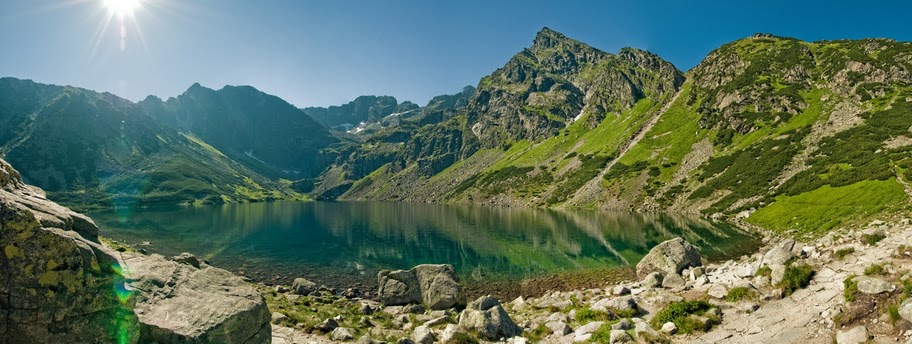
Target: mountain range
[(779, 132)]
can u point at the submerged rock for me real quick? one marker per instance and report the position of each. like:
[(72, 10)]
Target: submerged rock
[(487, 317), (178, 303), (670, 258), (60, 284)]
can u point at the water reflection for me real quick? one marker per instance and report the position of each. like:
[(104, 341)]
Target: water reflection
[(332, 241)]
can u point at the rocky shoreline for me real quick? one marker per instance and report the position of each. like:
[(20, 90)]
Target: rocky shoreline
[(849, 286)]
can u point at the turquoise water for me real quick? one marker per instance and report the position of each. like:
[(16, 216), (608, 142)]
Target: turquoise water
[(338, 243)]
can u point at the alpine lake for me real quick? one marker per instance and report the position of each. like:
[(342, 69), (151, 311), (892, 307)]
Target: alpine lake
[(500, 251)]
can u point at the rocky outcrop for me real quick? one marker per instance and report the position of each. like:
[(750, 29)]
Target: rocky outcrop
[(669, 258), (487, 317), (178, 302), (58, 283), (436, 286)]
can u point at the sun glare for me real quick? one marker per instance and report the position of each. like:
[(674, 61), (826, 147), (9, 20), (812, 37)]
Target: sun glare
[(122, 8)]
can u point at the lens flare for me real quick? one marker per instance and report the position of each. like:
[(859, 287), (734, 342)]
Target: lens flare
[(122, 8)]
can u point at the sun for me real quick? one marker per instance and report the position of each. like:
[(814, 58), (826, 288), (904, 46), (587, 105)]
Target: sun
[(122, 8)]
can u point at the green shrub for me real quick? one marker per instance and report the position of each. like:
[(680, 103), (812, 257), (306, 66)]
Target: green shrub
[(850, 288), (893, 311), (765, 271), (874, 269), (872, 239), (603, 334), (907, 287), (796, 277), (679, 313), (842, 252), (539, 333), (739, 293), (587, 315)]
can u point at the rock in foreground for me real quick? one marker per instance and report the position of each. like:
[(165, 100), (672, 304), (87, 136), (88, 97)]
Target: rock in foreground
[(436, 286), (487, 317), (60, 285), (669, 258), (179, 303)]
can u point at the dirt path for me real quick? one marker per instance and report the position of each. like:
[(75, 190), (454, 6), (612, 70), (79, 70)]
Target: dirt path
[(806, 316)]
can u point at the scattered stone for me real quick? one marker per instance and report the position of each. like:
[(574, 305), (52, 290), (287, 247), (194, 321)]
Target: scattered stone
[(621, 303), (517, 340), (905, 310), (423, 335), (856, 335), (278, 318), (366, 339), (673, 281), (652, 280), (583, 333), (365, 323), (450, 332), (486, 316), (718, 291), (669, 328), (870, 285), (281, 289), (413, 309), (620, 290), (365, 309), (780, 253), (342, 334), (562, 305), (437, 320), (642, 330), (669, 257), (405, 341), (327, 326), (697, 273), (623, 324), (303, 286), (559, 327), (620, 336), (778, 273)]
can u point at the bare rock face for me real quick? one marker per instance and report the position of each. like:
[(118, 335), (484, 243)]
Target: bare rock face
[(436, 286), (178, 302), (670, 258), (58, 284)]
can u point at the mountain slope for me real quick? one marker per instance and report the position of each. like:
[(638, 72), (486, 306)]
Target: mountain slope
[(784, 126), (536, 130), (89, 148), (259, 130)]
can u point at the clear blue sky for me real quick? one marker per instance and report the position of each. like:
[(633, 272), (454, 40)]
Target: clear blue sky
[(318, 53)]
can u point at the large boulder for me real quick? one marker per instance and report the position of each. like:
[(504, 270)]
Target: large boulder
[(179, 303), (59, 284), (303, 286), (398, 287), (434, 285), (870, 285), (487, 317), (780, 253), (905, 310), (440, 287), (670, 258)]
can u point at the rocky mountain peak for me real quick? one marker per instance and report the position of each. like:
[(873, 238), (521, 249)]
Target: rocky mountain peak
[(547, 38)]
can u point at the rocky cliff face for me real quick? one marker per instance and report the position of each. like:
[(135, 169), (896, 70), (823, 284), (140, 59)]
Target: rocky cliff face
[(545, 87), (59, 284)]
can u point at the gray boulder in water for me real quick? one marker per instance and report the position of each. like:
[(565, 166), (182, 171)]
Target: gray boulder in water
[(670, 258), (179, 303), (487, 317), (60, 284)]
